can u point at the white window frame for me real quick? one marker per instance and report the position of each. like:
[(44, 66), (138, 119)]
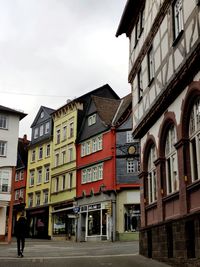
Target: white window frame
[(21, 193), (57, 159), (37, 199), (33, 154), (129, 137), (64, 132), (47, 174), (17, 176), (172, 178), (48, 150), (71, 129), (178, 18), (30, 200), (3, 122), (17, 194), (31, 178), (92, 119), (3, 148), (42, 130), (47, 127), (194, 135), (58, 136), (45, 196), (36, 133), (21, 177), (152, 176), (40, 153), (132, 166), (39, 176), (70, 180)]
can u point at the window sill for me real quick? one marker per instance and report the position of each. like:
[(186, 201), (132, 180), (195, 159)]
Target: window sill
[(151, 205), (171, 196), (177, 38), (194, 185)]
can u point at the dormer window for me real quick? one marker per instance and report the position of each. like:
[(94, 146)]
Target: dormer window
[(91, 119), (35, 133), (42, 114)]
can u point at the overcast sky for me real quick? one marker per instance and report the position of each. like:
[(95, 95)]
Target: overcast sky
[(54, 50)]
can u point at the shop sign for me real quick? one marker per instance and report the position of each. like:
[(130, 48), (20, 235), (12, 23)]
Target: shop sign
[(71, 216), (94, 207), (76, 209)]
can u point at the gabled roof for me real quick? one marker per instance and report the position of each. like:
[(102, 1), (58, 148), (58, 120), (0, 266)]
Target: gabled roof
[(13, 111), (47, 110), (124, 108), (106, 108)]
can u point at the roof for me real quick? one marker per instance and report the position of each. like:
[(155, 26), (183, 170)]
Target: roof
[(129, 16), (13, 111), (83, 98), (49, 111), (125, 104), (106, 108)]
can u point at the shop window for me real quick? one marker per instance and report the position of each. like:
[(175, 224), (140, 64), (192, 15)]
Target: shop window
[(171, 161), (131, 217), (63, 225), (152, 177), (94, 223)]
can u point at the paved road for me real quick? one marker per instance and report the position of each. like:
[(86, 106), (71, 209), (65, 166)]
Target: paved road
[(86, 254)]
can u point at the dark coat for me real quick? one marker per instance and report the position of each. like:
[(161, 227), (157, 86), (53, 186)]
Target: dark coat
[(21, 227)]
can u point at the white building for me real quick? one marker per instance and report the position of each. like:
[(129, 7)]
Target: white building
[(9, 131), (164, 73)]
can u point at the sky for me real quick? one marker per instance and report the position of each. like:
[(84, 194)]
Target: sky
[(54, 50)]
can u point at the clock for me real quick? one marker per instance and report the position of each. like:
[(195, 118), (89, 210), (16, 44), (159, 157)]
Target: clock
[(131, 150)]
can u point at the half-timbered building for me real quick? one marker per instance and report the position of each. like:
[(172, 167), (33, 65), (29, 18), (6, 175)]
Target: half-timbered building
[(164, 73)]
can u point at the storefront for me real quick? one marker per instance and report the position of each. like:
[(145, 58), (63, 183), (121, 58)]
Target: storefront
[(63, 223), (96, 218), (38, 220)]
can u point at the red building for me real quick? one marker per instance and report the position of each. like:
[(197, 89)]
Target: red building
[(96, 194), (19, 188)]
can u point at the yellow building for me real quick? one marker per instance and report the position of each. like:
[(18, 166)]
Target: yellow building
[(39, 175), (63, 172)]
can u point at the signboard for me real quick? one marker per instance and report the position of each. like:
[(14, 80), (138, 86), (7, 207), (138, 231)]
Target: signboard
[(76, 209)]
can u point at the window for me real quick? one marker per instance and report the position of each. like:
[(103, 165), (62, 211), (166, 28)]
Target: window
[(56, 184), (56, 160), (21, 193), (58, 136), (70, 153), (129, 137), (47, 127), (21, 175), (152, 179), (63, 182), (150, 64), (17, 175), (16, 194), (48, 150), (137, 31), (33, 156), (45, 196), (83, 149), (140, 86), (178, 18), (35, 133), (94, 145), (70, 180), (194, 135), (64, 133), (41, 130), (3, 122), (71, 129), (47, 174), (88, 148), (171, 161), (3, 148), (91, 119), (132, 166), (99, 144), (39, 176), (5, 184), (92, 174), (31, 179), (30, 200), (42, 114), (100, 171), (37, 200), (63, 157), (40, 154)]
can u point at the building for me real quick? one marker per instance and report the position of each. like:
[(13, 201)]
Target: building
[(39, 174), (19, 190), (9, 131), (127, 169), (96, 195), (164, 74), (67, 124)]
